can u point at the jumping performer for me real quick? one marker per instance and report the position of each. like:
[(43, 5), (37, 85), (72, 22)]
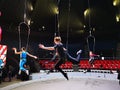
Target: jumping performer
[(61, 52), (23, 59), (92, 57)]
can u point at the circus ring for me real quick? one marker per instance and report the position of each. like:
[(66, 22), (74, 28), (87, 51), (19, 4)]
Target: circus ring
[(77, 81)]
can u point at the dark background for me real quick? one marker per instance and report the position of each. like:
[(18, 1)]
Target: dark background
[(74, 26)]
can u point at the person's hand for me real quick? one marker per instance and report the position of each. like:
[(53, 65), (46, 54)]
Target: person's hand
[(98, 55), (41, 46), (65, 49), (13, 48), (35, 57)]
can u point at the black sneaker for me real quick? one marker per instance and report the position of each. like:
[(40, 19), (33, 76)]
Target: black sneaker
[(48, 72), (66, 76)]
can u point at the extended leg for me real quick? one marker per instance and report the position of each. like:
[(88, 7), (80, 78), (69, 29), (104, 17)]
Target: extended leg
[(77, 59), (57, 67), (91, 61)]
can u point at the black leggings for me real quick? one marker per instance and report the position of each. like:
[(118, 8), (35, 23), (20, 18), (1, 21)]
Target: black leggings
[(62, 60), (58, 64)]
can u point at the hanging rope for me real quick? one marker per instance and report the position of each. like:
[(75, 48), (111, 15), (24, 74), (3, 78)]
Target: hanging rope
[(28, 34), (68, 22), (20, 26), (57, 31), (91, 42), (90, 38), (89, 15), (25, 15)]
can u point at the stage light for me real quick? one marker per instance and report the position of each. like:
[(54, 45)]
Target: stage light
[(56, 10), (30, 7), (86, 12), (116, 2), (93, 29), (80, 31), (43, 27), (102, 58), (117, 18), (84, 26)]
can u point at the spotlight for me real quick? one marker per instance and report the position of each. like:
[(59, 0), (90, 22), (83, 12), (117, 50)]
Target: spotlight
[(43, 27)]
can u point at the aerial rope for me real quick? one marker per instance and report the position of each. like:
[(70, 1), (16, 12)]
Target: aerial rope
[(90, 38), (91, 42), (57, 31), (25, 24), (28, 34), (68, 22)]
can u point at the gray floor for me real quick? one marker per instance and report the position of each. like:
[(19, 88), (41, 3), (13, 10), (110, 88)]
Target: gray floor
[(55, 81)]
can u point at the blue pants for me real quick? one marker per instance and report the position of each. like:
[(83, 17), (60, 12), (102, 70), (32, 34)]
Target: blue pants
[(21, 64), (69, 57)]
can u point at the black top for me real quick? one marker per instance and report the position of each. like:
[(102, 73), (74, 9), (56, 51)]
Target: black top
[(60, 50)]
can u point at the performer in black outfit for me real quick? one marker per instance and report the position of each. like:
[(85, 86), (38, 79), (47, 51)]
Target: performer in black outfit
[(60, 52)]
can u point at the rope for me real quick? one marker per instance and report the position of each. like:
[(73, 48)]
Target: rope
[(91, 43), (89, 15), (19, 37), (90, 38), (57, 32), (25, 9), (19, 30), (69, 5)]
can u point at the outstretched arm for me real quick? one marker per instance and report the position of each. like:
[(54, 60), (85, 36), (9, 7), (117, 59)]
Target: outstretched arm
[(31, 55), (94, 55), (46, 48), (15, 50)]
